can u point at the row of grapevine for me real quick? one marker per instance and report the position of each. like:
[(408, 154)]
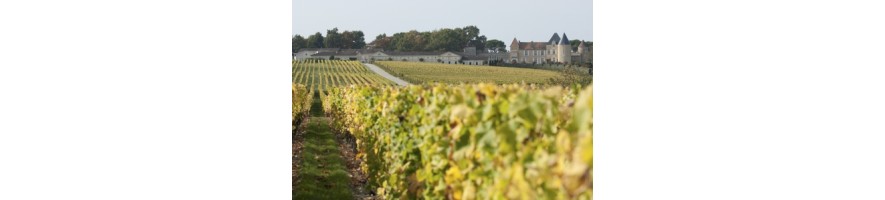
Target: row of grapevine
[(323, 74), (426, 72), (478, 141), (301, 100)]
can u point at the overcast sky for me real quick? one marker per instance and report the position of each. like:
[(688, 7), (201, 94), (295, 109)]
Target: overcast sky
[(526, 20)]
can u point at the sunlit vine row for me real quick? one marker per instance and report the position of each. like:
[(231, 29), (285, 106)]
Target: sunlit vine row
[(323, 74), (427, 72), (478, 141)]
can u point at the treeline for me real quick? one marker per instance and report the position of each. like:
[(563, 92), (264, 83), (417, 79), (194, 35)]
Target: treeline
[(333, 39), (446, 39)]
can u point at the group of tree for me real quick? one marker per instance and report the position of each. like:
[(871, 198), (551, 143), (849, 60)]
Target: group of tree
[(576, 43), (446, 39), (333, 39)]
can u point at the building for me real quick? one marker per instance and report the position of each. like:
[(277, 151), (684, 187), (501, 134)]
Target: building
[(439, 57), (469, 56), (556, 50), (472, 57), (307, 52)]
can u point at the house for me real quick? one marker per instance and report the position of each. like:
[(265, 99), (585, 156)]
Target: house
[(469, 56), (372, 55), (555, 50), (307, 52)]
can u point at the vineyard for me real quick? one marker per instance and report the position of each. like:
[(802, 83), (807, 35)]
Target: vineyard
[(323, 74), (365, 137), (477, 141), (419, 72)]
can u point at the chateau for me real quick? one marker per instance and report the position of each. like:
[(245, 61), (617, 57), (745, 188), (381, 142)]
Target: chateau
[(557, 50)]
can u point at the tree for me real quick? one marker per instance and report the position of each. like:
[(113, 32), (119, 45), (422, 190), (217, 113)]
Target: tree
[(445, 40), (347, 40), (576, 43), (478, 42), (298, 43), (382, 42), (410, 41), (472, 38), (470, 33), (496, 46), (333, 39), (315, 41), (359, 40)]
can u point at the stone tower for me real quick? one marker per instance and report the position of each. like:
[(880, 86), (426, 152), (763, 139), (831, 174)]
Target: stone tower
[(550, 55), (582, 50), (514, 51), (564, 50)]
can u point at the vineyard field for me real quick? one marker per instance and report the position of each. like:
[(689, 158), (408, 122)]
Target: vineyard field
[(419, 72), (457, 132), (323, 74), (473, 141)]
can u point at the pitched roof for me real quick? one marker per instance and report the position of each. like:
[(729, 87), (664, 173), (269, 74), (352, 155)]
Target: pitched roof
[(368, 51), (532, 46), (348, 52), (412, 53), (341, 52), (318, 50), (325, 54), (473, 57), (564, 39), (554, 39)]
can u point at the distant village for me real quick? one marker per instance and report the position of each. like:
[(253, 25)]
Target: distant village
[(555, 50)]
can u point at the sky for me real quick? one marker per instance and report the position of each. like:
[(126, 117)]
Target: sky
[(525, 20)]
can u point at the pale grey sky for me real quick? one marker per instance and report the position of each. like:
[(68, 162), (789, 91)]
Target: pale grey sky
[(526, 20)]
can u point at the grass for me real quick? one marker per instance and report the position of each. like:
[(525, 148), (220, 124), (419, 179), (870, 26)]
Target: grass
[(421, 72), (316, 108), (323, 174)]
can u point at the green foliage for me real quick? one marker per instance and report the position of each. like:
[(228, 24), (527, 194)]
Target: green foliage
[(576, 43), (496, 46), (333, 39), (301, 102), (477, 141), (298, 43), (352, 40), (315, 41), (445, 39), (571, 75)]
